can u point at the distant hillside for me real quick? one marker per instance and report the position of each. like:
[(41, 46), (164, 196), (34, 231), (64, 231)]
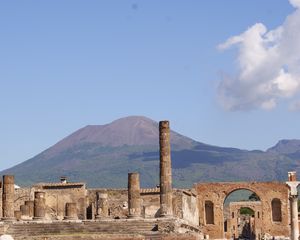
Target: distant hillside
[(102, 155)]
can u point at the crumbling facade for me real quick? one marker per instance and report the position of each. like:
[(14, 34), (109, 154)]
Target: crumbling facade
[(66, 210)]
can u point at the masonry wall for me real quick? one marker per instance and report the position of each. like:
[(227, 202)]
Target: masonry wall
[(117, 200), (58, 196), (217, 192), (190, 208), (184, 204), (118, 203), (22, 195)]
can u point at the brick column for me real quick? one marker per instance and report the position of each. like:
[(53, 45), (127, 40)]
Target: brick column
[(8, 196), (30, 205), (165, 170), (39, 206), (102, 205), (71, 211), (134, 198)]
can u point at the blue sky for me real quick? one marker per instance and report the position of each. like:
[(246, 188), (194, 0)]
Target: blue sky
[(67, 64)]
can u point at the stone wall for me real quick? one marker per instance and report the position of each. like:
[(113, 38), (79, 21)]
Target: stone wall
[(267, 191), (22, 195), (184, 204), (57, 195), (118, 202), (190, 208)]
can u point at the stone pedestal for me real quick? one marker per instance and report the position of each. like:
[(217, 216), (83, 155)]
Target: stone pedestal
[(8, 195), (30, 205), (39, 206), (102, 205), (134, 198), (165, 170), (24, 212), (17, 215), (71, 211)]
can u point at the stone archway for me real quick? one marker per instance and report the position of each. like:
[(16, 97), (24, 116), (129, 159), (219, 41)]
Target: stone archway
[(242, 225), (267, 191)]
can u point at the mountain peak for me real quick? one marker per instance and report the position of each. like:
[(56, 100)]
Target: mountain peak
[(286, 146), (130, 131)]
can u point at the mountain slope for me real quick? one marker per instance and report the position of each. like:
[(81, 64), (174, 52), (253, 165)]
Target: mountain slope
[(102, 156)]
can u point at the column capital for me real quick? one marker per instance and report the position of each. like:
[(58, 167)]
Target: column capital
[(293, 188)]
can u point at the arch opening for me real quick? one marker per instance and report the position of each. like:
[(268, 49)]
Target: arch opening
[(242, 209)]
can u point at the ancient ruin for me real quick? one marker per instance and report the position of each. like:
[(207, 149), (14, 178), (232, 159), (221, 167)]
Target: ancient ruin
[(68, 210)]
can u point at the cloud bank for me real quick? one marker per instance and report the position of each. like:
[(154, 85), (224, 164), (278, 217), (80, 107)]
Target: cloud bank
[(268, 66)]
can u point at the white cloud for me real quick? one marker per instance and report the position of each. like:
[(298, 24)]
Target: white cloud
[(295, 3), (268, 65)]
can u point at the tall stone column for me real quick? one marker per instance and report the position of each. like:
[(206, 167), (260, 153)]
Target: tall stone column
[(294, 218), (71, 211), (165, 170), (8, 196), (293, 184), (39, 206), (102, 206), (134, 198)]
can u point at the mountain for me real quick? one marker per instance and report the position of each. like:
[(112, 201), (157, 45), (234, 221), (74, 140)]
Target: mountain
[(286, 147), (102, 155)]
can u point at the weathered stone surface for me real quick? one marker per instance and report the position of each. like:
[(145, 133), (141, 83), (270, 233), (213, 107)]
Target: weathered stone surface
[(71, 211), (8, 196), (39, 205), (234, 218), (124, 228), (30, 205), (58, 194), (165, 169), (17, 215), (102, 206), (134, 198), (267, 191)]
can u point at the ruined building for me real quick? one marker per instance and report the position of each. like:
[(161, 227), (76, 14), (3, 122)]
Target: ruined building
[(68, 210)]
